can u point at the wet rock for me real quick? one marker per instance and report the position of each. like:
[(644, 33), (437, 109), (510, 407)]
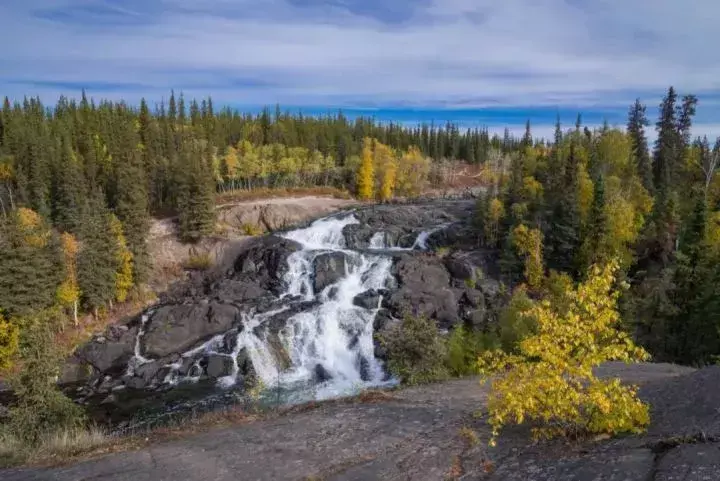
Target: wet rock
[(219, 365), (109, 357), (265, 262), (230, 341), (185, 365), (364, 368), (328, 269), (368, 299), (321, 374), (135, 383), (177, 328), (244, 363), (148, 371)]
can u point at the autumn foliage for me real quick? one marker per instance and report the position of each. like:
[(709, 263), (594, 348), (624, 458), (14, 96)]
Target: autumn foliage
[(550, 383)]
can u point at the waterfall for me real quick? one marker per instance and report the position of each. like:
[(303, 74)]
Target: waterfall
[(336, 335), (327, 345)]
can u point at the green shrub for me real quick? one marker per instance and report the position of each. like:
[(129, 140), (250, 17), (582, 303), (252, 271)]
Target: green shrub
[(199, 262), (464, 346), (416, 351), (41, 408), (514, 326)]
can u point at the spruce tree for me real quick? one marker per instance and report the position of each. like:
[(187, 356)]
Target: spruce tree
[(96, 261), (31, 267), (196, 196), (637, 121), (131, 203)]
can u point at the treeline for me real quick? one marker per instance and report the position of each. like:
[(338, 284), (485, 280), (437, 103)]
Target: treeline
[(592, 197), (79, 181)]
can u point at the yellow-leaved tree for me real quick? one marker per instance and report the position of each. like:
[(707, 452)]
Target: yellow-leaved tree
[(491, 226), (413, 170), (366, 173), (550, 382), (124, 259), (68, 293), (528, 242), (385, 170)]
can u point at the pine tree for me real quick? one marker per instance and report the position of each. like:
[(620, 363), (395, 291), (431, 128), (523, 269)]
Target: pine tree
[(196, 196), (637, 121), (96, 260), (32, 268), (131, 204), (70, 188), (666, 145)]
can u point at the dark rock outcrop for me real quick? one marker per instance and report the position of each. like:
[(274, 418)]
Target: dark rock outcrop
[(265, 263), (424, 290), (219, 365), (109, 355), (328, 268), (177, 328), (321, 374), (368, 299)]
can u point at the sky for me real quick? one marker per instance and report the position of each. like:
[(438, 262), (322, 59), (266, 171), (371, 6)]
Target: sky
[(475, 62)]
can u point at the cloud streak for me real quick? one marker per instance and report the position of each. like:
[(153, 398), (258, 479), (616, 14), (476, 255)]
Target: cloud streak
[(423, 53)]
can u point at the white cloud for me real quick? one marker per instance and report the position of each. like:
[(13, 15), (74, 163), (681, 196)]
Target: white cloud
[(443, 52)]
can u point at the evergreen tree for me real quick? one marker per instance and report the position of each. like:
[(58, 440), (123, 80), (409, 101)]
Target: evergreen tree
[(96, 260), (31, 264), (131, 204), (637, 121), (196, 200)]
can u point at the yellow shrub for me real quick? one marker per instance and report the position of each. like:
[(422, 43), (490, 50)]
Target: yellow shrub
[(550, 382), (9, 342), (251, 229)]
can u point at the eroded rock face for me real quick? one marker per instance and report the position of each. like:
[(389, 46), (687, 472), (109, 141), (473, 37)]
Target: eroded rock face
[(177, 328)]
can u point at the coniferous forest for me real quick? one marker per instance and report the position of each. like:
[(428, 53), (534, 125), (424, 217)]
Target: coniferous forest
[(79, 182)]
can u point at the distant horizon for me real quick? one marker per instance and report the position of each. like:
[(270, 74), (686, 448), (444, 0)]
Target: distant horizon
[(493, 118)]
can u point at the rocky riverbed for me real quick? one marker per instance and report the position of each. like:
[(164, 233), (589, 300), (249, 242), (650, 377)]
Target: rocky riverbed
[(297, 311)]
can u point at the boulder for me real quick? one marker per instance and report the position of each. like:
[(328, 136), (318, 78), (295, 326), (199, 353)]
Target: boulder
[(237, 291), (177, 328), (417, 270), (363, 366), (148, 371), (440, 305), (219, 365), (110, 356), (368, 299), (75, 371), (328, 269), (321, 374), (265, 262), (244, 363)]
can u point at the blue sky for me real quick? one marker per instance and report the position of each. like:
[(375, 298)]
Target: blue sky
[(477, 62)]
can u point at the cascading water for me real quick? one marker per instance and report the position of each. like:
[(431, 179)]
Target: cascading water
[(327, 346)]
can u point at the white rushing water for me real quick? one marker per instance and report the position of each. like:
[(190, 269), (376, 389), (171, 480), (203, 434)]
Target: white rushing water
[(336, 334), (328, 348)]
